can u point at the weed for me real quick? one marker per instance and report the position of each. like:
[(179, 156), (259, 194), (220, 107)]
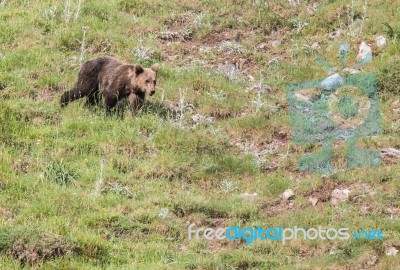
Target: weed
[(229, 70), (59, 172), (83, 49), (67, 10), (119, 189), (228, 186), (141, 52), (99, 183)]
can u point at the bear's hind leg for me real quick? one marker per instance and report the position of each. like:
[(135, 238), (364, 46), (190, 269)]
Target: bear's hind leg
[(83, 88), (93, 99)]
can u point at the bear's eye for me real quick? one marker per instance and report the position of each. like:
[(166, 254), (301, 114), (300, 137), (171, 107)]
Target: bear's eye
[(147, 81)]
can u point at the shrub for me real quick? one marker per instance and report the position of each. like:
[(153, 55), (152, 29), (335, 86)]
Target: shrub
[(389, 78)]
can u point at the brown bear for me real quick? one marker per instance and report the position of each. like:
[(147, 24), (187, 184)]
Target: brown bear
[(114, 80)]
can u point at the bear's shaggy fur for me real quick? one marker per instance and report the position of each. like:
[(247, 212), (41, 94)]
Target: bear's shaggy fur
[(114, 80)]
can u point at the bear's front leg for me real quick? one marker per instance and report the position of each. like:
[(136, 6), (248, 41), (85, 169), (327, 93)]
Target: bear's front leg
[(109, 102), (137, 103)]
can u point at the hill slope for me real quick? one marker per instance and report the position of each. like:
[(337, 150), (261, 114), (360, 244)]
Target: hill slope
[(81, 191)]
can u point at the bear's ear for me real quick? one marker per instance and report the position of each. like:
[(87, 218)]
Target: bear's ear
[(138, 69), (155, 67)]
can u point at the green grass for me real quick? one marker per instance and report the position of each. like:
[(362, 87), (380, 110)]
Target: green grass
[(60, 210)]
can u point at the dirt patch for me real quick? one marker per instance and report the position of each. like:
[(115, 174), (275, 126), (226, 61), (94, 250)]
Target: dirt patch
[(393, 210), (180, 28), (222, 113), (390, 160), (100, 45), (6, 214), (360, 191), (177, 35), (277, 207), (47, 94), (216, 37), (243, 64), (216, 244), (267, 151), (45, 249), (180, 44), (320, 196), (180, 20)]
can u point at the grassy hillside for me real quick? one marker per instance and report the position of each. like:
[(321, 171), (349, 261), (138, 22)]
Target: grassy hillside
[(81, 191)]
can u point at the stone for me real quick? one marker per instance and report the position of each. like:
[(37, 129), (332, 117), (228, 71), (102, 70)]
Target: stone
[(315, 46), (248, 196), (287, 194), (339, 195), (275, 43), (332, 82), (372, 261), (364, 52), (380, 41), (313, 200), (389, 152), (262, 46), (335, 34), (351, 70), (391, 251)]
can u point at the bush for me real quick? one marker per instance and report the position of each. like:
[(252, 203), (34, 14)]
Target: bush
[(389, 78)]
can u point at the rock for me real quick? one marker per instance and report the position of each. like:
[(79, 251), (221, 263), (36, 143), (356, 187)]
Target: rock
[(332, 82), (311, 9), (315, 46), (339, 195), (372, 261), (390, 211), (248, 196), (287, 194), (262, 45), (380, 41), (333, 250), (313, 200), (365, 52), (389, 152), (335, 34), (395, 103), (351, 70), (163, 213), (365, 209), (391, 251), (275, 43), (315, 5)]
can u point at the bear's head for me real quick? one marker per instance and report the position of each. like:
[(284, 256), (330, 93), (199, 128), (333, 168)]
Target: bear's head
[(144, 79)]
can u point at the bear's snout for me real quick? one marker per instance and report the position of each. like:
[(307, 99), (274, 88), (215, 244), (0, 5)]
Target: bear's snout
[(152, 92)]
